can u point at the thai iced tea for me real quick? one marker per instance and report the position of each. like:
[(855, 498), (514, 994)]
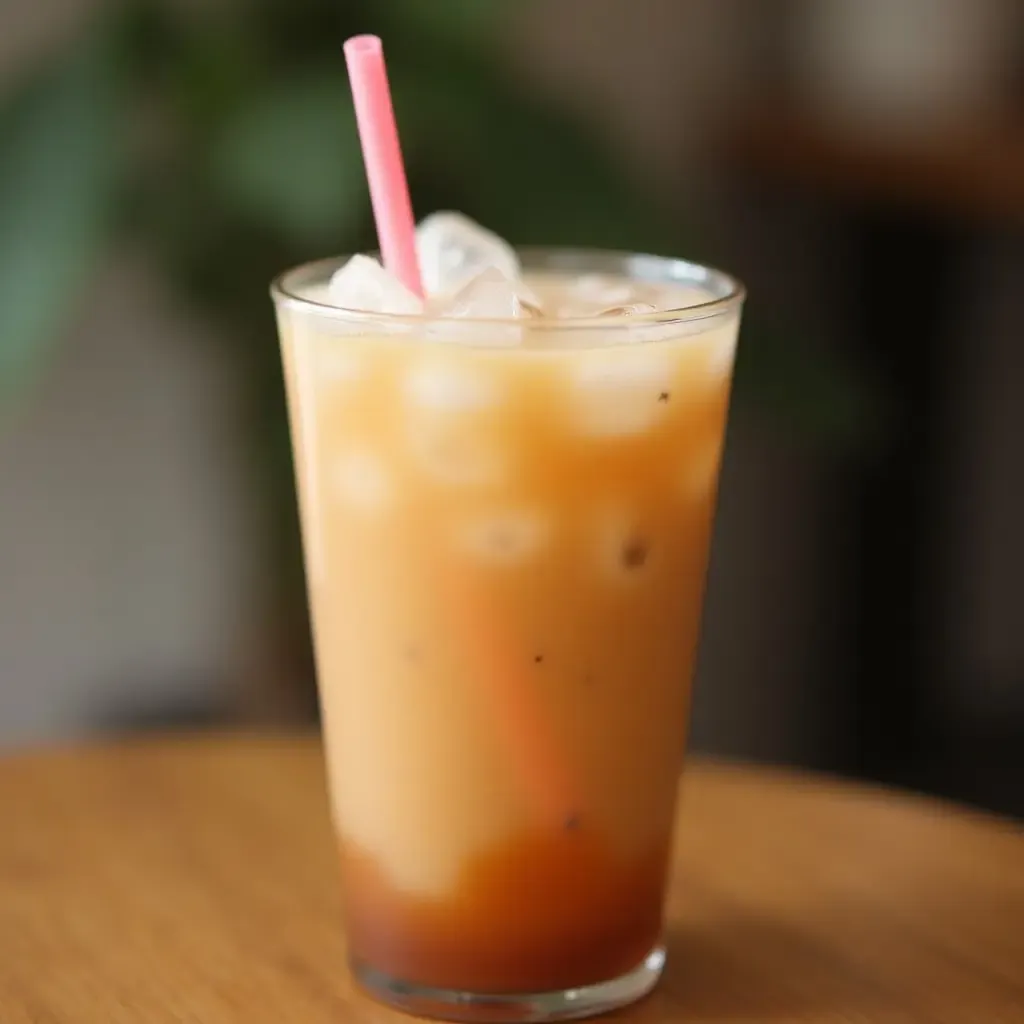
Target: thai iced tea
[(506, 530)]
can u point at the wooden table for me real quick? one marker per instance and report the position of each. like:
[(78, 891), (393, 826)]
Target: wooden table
[(194, 881)]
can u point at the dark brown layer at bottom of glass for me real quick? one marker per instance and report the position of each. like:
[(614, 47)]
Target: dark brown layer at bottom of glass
[(543, 913)]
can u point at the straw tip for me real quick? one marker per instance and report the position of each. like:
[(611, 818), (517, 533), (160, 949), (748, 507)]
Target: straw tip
[(363, 46)]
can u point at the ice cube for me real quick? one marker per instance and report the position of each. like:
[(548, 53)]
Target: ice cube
[(484, 300), (337, 362), (676, 296), (595, 295), (489, 295), (622, 392), (364, 284), (452, 249), (361, 480), (506, 537), (456, 454), (601, 291), (438, 385)]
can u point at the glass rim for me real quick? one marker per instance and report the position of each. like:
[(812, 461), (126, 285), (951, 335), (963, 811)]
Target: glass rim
[(675, 270)]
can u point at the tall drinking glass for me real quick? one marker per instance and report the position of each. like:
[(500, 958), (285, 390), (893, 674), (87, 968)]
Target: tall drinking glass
[(506, 529)]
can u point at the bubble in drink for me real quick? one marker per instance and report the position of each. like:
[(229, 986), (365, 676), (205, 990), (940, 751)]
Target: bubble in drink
[(507, 537), (623, 550), (453, 249), (442, 386), (623, 392), (361, 480), (363, 284)]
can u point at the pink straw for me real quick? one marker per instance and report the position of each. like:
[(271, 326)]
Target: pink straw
[(382, 154)]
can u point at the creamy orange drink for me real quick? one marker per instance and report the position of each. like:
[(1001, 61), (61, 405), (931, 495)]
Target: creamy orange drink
[(506, 524)]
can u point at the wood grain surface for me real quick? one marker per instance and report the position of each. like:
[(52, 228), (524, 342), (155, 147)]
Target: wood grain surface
[(195, 881)]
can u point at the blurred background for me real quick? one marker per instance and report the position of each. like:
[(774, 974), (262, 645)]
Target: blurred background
[(859, 163)]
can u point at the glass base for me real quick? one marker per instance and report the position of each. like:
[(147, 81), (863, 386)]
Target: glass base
[(564, 1004)]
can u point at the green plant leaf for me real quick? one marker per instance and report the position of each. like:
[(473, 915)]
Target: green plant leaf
[(525, 168), (289, 161), (471, 21), (58, 163)]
